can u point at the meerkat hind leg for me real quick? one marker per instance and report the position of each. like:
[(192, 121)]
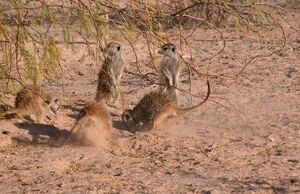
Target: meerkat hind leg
[(161, 118)]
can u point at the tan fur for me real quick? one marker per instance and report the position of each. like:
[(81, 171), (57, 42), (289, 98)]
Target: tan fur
[(92, 128), (169, 70), (152, 109), (32, 101), (110, 74)]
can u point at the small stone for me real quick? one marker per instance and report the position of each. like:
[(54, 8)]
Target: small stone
[(119, 173), (80, 73)]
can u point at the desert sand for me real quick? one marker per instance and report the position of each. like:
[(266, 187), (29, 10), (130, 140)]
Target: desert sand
[(245, 139)]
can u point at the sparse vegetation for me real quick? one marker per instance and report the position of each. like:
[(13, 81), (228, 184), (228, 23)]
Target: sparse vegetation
[(31, 31), (244, 139)]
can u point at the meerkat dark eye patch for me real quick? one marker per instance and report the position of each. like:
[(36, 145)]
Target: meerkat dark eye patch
[(118, 48), (127, 117), (173, 49)]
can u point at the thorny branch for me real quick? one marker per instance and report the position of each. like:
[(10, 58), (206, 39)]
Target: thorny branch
[(32, 31)]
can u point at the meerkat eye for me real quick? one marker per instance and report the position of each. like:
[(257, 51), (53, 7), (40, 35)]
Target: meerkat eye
[(173, 49), (165, 48), (118, 48)]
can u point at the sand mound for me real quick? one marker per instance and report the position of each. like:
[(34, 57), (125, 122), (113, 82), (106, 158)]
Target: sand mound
[(5, 140)]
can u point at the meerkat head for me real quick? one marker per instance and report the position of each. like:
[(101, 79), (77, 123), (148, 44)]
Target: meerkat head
[(113, 48), (128, 119), (53, 103), (127, 116), (167, 49), (55, 106)]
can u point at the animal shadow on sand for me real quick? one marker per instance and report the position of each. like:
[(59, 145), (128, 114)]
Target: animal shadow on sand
[(42, 134), (119, 125), (75, 111)]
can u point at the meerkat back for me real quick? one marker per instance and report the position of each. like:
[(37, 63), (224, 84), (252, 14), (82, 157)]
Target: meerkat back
[(150, 110), (33, 103), (153, 108), (152, 105), (28, 101), (92, 128)]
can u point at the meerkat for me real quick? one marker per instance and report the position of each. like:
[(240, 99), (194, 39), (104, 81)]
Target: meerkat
[(152, 109), (33, 103), (110, 74), (93, 126), (169, 70)]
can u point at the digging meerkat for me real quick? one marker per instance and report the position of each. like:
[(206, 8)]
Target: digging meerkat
[(33, 103), (169, 70), (92, 128), (152, 109), (110, 74)]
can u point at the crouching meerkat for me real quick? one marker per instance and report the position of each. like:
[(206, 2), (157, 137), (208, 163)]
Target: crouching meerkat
[(153, 108), (34, 104), (92, 128), (169, 70), (110, 74)]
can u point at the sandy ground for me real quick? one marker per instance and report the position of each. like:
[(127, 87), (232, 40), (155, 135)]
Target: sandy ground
[(252, 145)]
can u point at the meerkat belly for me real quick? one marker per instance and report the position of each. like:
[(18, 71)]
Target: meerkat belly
[(104, 89)]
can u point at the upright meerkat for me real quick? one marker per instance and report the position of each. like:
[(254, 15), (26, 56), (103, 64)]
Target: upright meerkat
[(153, 108), (110, 74), (169, 70), (34, 103), (92, 127)]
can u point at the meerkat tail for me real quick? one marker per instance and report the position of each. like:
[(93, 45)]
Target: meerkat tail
[(185, 110)]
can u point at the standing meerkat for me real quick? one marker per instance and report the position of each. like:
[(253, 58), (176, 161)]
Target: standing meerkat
[(152, 109), (169, 70), (93, 126), (34, 103), (110, 74)]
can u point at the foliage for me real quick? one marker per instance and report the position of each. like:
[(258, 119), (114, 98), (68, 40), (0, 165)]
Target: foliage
[(30, 31)]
